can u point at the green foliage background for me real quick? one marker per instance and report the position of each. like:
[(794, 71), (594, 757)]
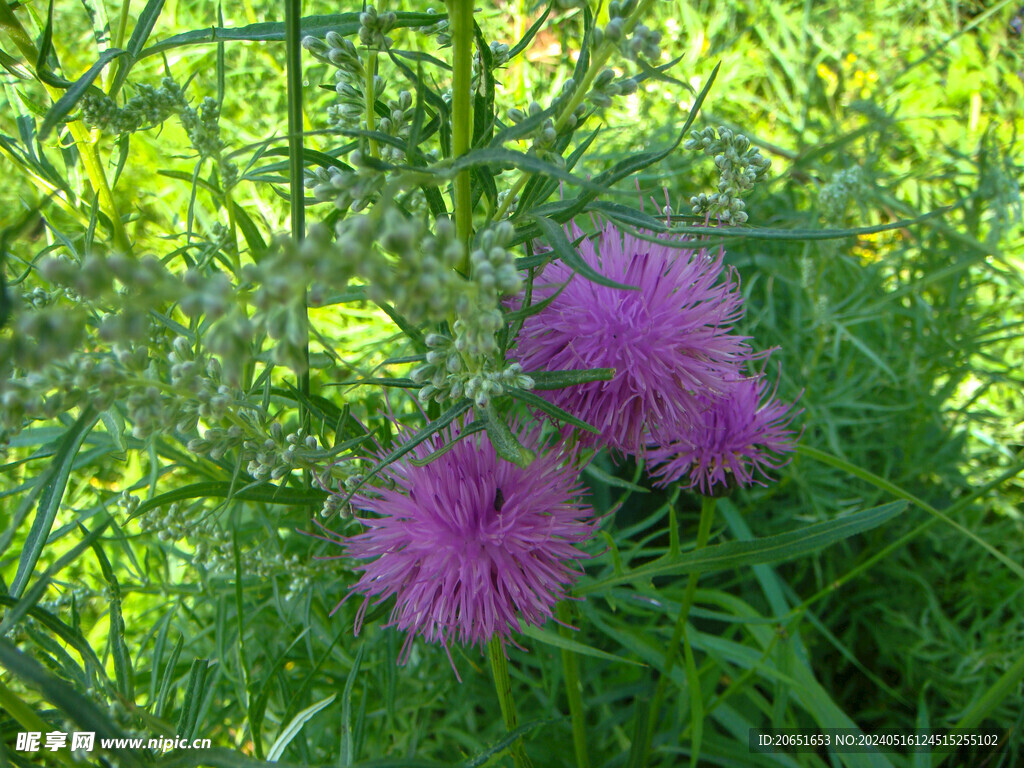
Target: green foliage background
[(905, 345)]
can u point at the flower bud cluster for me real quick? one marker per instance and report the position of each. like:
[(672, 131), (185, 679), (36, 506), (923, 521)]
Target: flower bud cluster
[(283, 274), (396, 124), (444, 374), (419, 273), (51, 372), (499, 57), (203, 128), (348, 112), (606, 88), (338, 52), (492, 265), (846, 185), (276, 455), (42, 336), (546, 135), (373, 28), (642, 42), (150, 106), (352, 190), (208, 295), (499, 54), (509, 206), (468, 363), (213, 547), (440, 30), (740, 166)]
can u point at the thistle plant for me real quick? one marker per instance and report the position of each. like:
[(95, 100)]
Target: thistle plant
[(531, 326)]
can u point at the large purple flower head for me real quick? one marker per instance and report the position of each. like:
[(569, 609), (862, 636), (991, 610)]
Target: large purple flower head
[(470, 545), (670, 341), (737, 437)]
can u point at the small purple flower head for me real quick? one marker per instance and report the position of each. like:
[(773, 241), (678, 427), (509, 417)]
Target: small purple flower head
[(737, 436), (470, 545), (669, 342)]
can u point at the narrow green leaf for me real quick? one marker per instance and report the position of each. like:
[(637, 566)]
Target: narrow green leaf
[(478, 761), (555, 640), (519, 160), (880, 482), (14, 66), (291, 730), (469, 429), (560, 379), (430, 429), (123, 673), (52, 484), (347, 742), (1003, 688), (258, 706), (550, 409), (168, 677), (406, 327), (528, 36), (251, 233), (189, 716), (696, 701), (504, 441), (564, 250), (114, 423), (143, 29), (45, 49), (273, 31), (264, 492), (600, 475), (771, 549)]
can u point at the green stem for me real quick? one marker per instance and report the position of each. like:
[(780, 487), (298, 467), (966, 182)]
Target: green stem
[(118, 41), (574, 692), (371, 98), (503, 687), (293, 57), (707, 515), (460, 15)]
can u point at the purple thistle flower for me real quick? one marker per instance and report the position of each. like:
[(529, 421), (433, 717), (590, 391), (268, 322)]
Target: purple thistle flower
[(669, 341), (736, 437), (470, 545)]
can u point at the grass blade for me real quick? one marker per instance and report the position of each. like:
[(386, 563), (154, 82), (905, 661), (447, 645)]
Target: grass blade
[(52, 484), (291, 730), (771, 549)]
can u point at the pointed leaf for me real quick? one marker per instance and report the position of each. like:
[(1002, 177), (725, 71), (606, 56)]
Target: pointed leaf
[(771, 549)]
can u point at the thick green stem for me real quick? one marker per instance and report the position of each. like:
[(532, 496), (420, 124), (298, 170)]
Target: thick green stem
[(707, 515), (574, 692), (118, 41), (371, 99), (460, 16), (293, 57), (503, 687)]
